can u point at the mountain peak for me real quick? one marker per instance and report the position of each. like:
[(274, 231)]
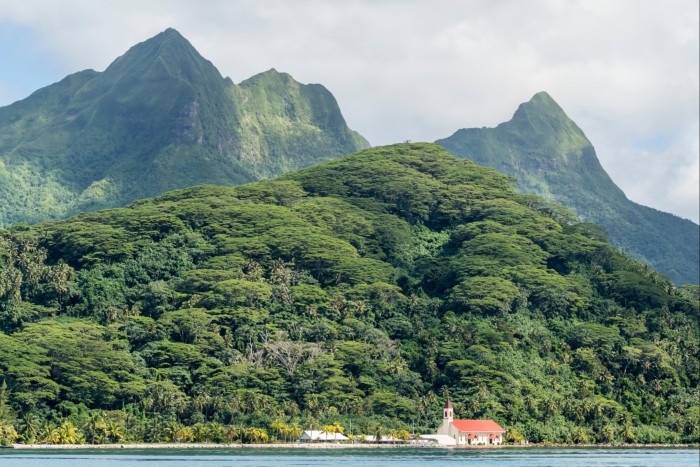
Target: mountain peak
[(269, 76), (552, 158), (543, 98), (166, 54), (168, 39), (541, 107), (170, 32), (160, 117)]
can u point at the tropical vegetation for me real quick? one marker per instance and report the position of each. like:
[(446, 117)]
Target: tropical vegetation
[(360, 292), (552, 158)]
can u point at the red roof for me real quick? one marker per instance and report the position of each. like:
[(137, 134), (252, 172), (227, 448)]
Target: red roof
[(448, 404), (471, 436), (478, 426)]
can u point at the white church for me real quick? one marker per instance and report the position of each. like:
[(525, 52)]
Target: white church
[(469, 432)]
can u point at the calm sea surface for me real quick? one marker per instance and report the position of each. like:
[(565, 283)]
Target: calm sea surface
[(241, 457)]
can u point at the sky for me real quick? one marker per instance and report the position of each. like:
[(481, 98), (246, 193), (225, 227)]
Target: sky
[(626, 71)]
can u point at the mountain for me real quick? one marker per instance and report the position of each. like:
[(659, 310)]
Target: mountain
[(551, 157), (363, 291), (159, 117)]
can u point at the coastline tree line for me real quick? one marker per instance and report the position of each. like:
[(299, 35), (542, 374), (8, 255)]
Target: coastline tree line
[(359, 292)]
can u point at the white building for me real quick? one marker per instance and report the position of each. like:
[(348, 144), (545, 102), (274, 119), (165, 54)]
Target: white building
[(321, 436), (440, 440), (384, 439), (469, 432)]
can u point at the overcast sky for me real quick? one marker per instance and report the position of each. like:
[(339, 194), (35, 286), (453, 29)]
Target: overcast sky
[(626, 71)]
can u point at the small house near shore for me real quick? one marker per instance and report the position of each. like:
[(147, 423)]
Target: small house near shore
[(382, 440), (317, 436), (469, 432)]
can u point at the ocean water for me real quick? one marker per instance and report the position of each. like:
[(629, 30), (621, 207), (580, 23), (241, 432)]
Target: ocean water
[(395, 457)]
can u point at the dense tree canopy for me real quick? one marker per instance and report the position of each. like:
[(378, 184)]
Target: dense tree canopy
[(367, 289)]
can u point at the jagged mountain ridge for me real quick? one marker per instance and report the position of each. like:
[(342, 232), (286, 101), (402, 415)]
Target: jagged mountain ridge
[(159, 117), (551, 157)]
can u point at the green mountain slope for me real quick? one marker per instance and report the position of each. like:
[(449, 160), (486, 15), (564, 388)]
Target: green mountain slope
[(159, 117), (552, 158), (362, 290)]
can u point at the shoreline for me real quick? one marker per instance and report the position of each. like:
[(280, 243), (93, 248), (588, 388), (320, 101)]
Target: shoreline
[(329, 446)]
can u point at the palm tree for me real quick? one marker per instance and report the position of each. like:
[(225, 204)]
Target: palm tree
[(693, 425), (171, 429), (236, 403), (279, 426), (378, 433), (607, 434), (587, 406), (231, 433), (29, 426), (514, 436), (94, 425), (295, 431), (290, 408), (580, 436), (217, 432), (312, 403), (256, 435), (328, 429), (627, 433), (576, 410), (200, 433), (155, 431), (48, 433), (532, 403), (8, 434), (183, 433), (311, 421), (4, 407), (285, 433), (136, 427), (113, 431), (68, 433), (550, 407), (394, 435)]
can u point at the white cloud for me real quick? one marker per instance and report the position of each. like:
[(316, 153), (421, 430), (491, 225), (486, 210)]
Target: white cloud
[(625, 71), (685, 188)]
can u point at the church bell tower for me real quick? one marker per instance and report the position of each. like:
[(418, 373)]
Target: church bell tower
[(448, 413)]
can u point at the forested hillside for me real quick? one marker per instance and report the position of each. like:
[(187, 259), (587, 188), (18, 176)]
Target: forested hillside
[(365, 289), (159, 117), (552, 158)]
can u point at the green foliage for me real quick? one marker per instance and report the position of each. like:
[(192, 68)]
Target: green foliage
[(552, 158), (485, 295), (160, 117), (215, 313)]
